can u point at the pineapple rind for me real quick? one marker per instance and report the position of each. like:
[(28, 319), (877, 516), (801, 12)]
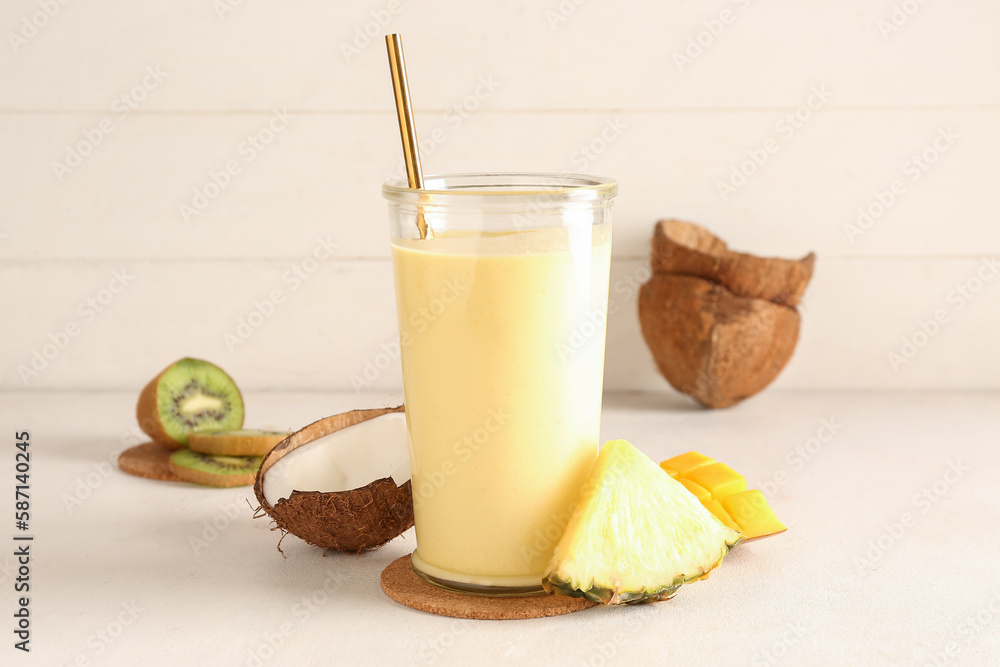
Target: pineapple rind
[(610, 596)]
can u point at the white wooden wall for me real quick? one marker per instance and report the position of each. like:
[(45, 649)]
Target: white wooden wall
[(510, 85)]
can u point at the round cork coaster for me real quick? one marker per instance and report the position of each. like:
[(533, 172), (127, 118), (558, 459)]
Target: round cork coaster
[(150, 460), (401, 583)]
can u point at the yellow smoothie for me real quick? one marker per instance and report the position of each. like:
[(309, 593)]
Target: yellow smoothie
[(502, 341)]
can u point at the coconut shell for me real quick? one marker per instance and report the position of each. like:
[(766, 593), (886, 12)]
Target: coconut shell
[(685, 248), (351, 521), (711, 344)]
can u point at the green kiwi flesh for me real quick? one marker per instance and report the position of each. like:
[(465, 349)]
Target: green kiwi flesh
[(214, 470), (194, 395)]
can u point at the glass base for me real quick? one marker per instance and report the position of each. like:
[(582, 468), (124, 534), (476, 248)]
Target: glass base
[(441, 579)]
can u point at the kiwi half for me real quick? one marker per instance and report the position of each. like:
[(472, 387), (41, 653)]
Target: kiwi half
[(241, 442), (189, 395), (211, 470)]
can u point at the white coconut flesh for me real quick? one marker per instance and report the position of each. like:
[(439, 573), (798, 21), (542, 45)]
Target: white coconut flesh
[(344, 460)]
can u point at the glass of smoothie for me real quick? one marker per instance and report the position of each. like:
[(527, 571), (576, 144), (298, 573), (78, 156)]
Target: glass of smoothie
[(502, 311)]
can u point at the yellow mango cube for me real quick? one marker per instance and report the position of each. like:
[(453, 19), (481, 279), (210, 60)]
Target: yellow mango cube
[(715, 507), (686, 462), (699, 492), (750, 511), (719, 479), (670, 471)]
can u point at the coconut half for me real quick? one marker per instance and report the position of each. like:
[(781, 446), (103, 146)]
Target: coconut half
[(341, 483), (687, 249)]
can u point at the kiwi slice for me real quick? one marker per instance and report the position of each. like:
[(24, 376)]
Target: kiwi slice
[(189, 395), (214, 470), (240, 442)]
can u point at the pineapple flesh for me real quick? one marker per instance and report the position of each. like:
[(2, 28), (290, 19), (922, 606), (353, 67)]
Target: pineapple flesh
[(636, 535)]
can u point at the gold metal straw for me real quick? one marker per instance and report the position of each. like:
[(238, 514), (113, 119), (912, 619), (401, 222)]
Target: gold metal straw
[(404, 113)]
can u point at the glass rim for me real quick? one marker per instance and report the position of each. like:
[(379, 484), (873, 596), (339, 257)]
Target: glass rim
[(564, 186)]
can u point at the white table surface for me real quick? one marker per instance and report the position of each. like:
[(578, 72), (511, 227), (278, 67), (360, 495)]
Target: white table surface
[(116, 580)]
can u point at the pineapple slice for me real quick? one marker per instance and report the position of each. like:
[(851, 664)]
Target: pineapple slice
[(636, 534), (750, 510)]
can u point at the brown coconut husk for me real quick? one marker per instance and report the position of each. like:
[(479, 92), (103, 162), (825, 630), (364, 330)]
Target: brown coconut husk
[(685, 248), (721, 325), (350, 521), (711, 344)]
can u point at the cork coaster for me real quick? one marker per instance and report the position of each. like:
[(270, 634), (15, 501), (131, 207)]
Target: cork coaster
[(150, 460), (403, 585)]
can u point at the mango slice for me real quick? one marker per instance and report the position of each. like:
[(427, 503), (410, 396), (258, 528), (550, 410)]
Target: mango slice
[(715, 507), (750, 511), (699, 492), (723, 492), (686, 462), (719, 479), (670, 471)]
